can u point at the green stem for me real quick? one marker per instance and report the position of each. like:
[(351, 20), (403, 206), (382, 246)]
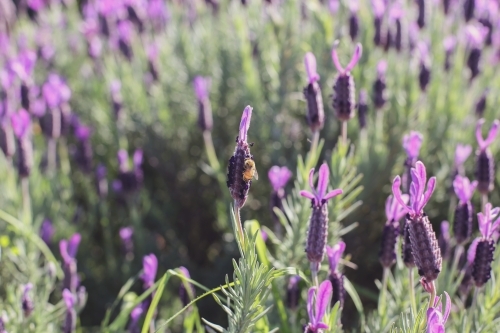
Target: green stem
[(239, 226), (25, 188), (484, 201), (458, 252), (433, 295), (314, 274), (383, 292), (344, 132), (51, 156), (209, 147), (412, 292)]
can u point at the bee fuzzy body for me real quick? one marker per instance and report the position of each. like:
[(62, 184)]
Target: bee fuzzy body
[(249, 170)]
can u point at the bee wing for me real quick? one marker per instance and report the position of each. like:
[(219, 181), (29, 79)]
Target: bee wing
[(256, 174)]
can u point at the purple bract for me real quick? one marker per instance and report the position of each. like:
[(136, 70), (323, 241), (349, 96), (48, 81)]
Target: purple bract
[(317, 195)]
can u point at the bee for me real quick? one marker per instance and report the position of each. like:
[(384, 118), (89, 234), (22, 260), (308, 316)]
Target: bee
[(249, 170)]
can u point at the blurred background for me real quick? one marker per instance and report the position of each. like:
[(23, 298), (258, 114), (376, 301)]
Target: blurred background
[(117, 142)]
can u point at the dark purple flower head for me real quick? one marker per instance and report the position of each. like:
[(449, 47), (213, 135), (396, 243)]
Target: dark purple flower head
[(47, 231), (393, 209), (83, 133), (149, 266), (158, 13), (21, 123), (317, 305), (310, 63), (69, 299), (26, 300), (412, 143), (462, 152), (436, 320), (279, 176), (486, 225), (378, 7), (483, 144), (464, 189), (317, 195), (24, 64), (471, 252), (418, 198), (334, 254), (354, 60), (126, 233), (201, 87), (135, 315)]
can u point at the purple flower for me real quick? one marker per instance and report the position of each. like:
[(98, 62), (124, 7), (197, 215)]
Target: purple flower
[(238, 186), (412, 143), (354, 60), (462, 152), (464, 189), (471, 252), (378, 7), (26, 301), (393, 209), (435, 318), (201, 87), (310, 63), (184, 294), (476, 35), (137, 159), (68, 298), (418, 198), (55, 91), (157, 13), (123, 160), (83, 133), (334, 254), (279, 176), (149, 266), (135, 315), (483, 144), (21, 123), (449, 43), (47, 231), (317, 305), (70, 320), (317, 195), (486, 225), (126, 235), (69, 248), (333, 5)]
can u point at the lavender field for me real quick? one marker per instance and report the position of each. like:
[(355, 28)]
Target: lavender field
[(298, 166)]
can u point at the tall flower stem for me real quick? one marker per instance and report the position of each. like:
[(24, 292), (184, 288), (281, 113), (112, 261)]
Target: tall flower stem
[(239, 226), (344, 132), (209, 147), (433, 295), (314, 145), (314, 273), (412, 292), (51, 155), (458, 252), (484, 201), (383, 293), (25, 188)]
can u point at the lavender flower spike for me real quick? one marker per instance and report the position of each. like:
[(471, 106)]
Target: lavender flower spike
[(317, 307), (201, 88), (312, 94), (485, 164), (464, 189), (237, 184), (185, 294), (310, 63), (394, 212), (26, 301), (462, 152), (335, 276), (318, 221), (150, 266), (435, 317), (21, 124), (481, 269), (424, 245), (412, 143), (344, 90), (279, 176), (444, 239), (70, 320)]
